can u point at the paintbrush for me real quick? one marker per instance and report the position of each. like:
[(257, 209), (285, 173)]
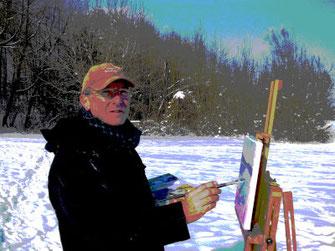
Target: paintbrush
[(218, 186)]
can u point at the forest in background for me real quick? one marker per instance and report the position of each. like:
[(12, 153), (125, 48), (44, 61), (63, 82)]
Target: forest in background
[(184, 85)]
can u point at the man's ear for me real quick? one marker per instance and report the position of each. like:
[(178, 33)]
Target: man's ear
[(84, 101)]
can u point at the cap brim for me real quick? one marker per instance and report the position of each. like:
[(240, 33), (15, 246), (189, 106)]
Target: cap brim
[(114, 79)]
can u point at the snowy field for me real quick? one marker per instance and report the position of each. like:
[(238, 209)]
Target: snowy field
[(28, 222)]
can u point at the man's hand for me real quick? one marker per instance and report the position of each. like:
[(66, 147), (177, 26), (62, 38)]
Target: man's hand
[(200, 200)]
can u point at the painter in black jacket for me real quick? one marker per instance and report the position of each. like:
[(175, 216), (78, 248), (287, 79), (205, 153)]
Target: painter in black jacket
[(97, 183)]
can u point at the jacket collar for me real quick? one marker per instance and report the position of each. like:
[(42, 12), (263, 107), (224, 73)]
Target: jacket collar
[(85, 130)]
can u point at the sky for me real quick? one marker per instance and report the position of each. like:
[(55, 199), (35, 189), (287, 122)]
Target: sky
[(232, 22)]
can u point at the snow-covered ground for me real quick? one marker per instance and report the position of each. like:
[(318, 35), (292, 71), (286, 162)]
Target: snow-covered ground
[(28, 222)]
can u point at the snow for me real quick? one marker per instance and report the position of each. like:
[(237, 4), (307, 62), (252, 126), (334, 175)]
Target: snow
[(28, 222), (179, 95)]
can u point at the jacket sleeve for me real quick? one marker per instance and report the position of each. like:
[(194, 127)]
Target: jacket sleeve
[(111, 211)]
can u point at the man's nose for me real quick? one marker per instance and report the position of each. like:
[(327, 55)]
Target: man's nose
[(117, 100)]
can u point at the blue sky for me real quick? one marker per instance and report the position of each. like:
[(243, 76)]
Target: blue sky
[(231, 22)]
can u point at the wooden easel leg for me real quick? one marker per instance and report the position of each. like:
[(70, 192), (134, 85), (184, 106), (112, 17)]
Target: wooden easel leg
[(272, 219), (288, 208)]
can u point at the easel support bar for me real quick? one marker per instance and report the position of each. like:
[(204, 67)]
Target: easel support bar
[(274, 88), (289, 221), (272, 218)]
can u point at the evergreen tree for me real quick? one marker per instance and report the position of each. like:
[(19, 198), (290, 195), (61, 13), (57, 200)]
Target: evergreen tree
[(304, 103)]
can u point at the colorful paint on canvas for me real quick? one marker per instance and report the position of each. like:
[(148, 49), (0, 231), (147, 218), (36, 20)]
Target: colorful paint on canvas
[(246, 191)]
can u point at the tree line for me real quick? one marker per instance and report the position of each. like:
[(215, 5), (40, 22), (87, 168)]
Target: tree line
[(184, 85)]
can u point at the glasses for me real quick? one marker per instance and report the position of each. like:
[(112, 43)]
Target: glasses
[(111, 93)]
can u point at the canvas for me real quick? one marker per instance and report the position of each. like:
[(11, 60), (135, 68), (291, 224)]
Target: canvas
[(246, 191)]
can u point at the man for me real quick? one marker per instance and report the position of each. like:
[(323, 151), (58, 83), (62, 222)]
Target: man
[(97, 184)]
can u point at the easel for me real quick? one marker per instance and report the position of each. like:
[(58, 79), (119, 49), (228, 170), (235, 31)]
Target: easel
[(262, 235)]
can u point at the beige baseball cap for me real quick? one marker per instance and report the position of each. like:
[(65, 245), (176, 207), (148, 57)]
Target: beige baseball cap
[(100, 76)]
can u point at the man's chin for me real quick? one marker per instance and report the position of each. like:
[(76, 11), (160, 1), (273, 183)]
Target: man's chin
[(115, 121)]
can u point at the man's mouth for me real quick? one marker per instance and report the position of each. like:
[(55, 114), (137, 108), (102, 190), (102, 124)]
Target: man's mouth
[(117, 111)]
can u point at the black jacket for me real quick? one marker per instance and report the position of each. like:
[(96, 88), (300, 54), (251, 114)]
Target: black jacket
[(101, 195)]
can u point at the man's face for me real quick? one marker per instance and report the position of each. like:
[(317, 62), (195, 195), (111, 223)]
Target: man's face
[(111, 104)]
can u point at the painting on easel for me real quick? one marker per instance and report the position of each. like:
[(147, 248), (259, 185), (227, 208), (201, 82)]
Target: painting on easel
[(246, 191)]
